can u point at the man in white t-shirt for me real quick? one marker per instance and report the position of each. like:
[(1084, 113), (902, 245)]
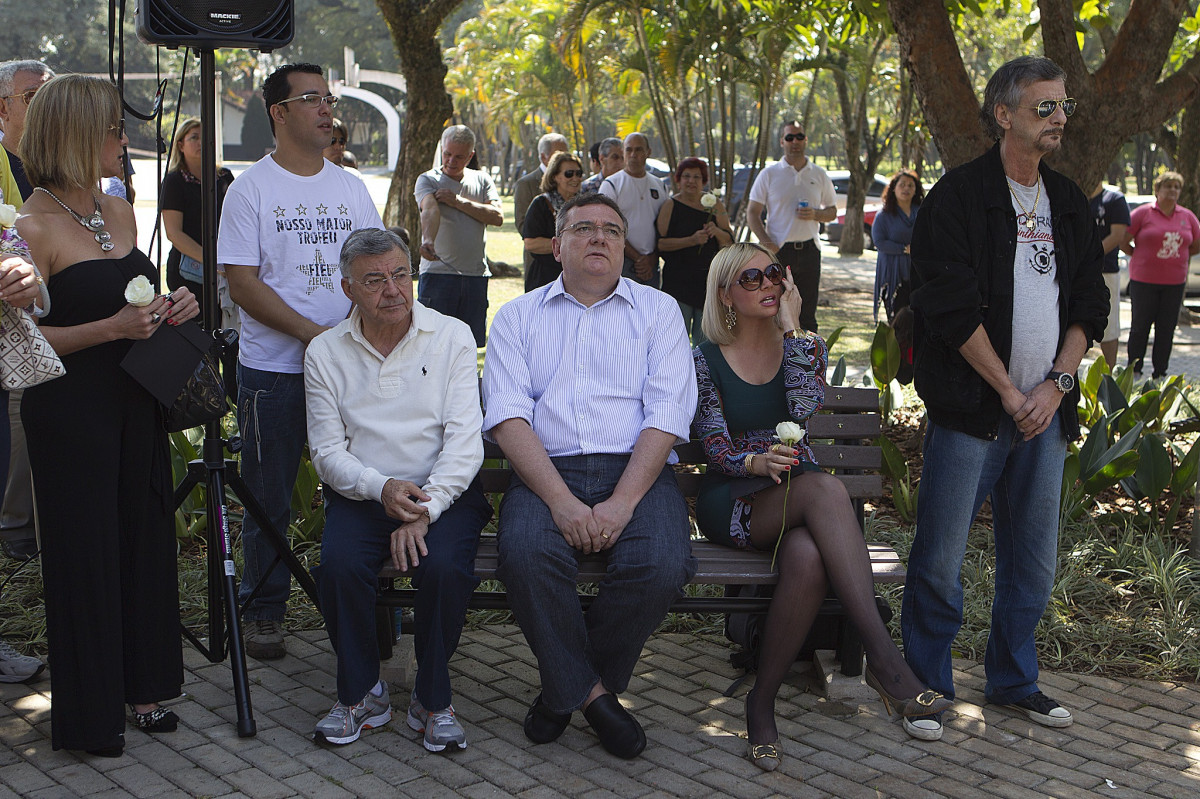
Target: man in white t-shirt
[(639, 195), (797, 196), (457, 205), (282, 226)]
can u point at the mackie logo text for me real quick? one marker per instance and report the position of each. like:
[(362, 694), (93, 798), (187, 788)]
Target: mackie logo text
[(225, 17)]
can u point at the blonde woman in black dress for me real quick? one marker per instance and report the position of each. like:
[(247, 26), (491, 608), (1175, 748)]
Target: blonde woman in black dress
[(101, 465)]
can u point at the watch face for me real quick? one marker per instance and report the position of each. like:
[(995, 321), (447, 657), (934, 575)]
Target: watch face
[(1066, 382)]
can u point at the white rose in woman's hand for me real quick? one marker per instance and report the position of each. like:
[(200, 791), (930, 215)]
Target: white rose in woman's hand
[(139, 292), (789, 433), (708, 200), (8, 215)]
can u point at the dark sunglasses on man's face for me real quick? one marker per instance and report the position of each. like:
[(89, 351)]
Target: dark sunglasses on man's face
[(1045, 109), (571, 173), (752, 278), (790, 137)]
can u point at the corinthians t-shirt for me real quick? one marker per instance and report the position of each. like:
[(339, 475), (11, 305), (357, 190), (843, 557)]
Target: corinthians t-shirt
[(1035, 289)]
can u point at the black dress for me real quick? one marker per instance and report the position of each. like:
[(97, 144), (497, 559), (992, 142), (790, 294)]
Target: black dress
[(102, 477), (539, 223), (685, 272)]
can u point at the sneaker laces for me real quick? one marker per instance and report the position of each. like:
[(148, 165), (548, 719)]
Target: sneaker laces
[(267, 626), (340, 711), (442, 718)]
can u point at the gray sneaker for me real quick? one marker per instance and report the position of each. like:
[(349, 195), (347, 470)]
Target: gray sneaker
[(264, 639), (344, 724), (15, 667), (441, 727)]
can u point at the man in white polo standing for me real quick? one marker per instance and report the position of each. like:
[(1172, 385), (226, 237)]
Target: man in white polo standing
[(797, 196)]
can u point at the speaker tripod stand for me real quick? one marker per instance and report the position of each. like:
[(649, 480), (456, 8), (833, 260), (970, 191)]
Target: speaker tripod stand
[(216, 472)]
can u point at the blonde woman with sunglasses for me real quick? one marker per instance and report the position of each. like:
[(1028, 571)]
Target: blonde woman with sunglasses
[(757, 369)]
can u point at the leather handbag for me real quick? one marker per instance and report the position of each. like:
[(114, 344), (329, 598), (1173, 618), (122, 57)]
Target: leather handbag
[(202, 399), (26, 358)]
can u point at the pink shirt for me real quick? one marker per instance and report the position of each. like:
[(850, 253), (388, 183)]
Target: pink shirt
[(1160, 244)]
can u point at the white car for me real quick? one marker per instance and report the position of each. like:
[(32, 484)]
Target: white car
[(841, 183)]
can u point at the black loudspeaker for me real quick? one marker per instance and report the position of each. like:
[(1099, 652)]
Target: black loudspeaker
[(210, 24)]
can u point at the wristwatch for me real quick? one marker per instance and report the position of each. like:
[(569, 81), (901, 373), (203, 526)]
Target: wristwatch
[(1062, 381)]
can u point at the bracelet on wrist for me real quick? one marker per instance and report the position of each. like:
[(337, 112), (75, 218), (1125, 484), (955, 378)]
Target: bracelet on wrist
[(749, 460)]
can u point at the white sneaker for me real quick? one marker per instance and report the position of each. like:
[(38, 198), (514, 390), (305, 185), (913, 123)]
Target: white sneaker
[(924, 728), (441, 727), (344, 724), (15, 667)]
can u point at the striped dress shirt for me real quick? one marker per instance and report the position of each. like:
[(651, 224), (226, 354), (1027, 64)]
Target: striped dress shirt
[(590, 380)]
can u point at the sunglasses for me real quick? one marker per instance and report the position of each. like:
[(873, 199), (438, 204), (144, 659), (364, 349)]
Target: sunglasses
[(27, 96), (571, 173), (789, 137), (1046, 107), (752, 278), (337, 140), (118, 128)]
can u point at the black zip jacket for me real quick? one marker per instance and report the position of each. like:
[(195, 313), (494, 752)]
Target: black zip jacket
[(963, 248)]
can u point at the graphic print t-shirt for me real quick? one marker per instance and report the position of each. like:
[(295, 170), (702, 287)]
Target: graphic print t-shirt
[(292, 228), (1035, 291)]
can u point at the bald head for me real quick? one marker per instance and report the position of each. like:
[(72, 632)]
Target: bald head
[(637, 150)]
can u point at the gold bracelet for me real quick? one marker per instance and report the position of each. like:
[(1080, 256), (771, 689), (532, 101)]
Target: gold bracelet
[(749, 458), (796, 332)]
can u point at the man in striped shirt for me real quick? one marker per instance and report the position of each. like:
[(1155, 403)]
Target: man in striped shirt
[(588, 384)]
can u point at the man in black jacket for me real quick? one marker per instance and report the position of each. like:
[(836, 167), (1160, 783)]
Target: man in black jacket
[(1008, 296)]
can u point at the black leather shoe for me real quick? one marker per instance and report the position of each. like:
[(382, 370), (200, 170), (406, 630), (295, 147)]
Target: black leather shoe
[(543, 725), (619, 733)]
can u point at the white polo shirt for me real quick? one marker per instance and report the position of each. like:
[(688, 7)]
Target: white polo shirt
[(639, 199), (780, 188)]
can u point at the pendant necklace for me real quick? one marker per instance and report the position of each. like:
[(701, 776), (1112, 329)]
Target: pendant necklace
[(1030, 218), (93, 223)]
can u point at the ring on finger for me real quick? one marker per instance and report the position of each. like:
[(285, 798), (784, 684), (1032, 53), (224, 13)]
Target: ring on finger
[(154, 317), (605, 536)]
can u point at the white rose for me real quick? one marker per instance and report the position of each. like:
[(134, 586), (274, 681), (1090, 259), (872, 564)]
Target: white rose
[(708, 200), (139, 292), (789, 433), (8, 215)]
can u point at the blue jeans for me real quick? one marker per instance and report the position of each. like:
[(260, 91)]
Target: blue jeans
[(1024, 479), (647, 569), (461, 296), (355, 545), (272, 420)]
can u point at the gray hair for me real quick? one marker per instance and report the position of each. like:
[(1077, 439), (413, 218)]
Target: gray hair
[(580, 200), (370, 241), (547, 142), (608, 145), (640, 135), (459, 134), (1008, 84), (9, 70)]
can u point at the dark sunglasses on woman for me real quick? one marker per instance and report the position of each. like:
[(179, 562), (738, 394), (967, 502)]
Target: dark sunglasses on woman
[(752, 278)]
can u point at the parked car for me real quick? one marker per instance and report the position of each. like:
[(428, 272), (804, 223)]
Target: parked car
[(841, 183), (1192, 288)]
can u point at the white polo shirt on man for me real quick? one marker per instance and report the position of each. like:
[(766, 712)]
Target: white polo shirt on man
[(780, 188)]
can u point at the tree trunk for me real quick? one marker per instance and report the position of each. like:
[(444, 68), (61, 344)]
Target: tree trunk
[(1122, 98), (929, 51), (415, 27), (1187, 156)]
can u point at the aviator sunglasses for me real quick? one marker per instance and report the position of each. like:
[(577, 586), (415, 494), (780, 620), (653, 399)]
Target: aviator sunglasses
[(752, 278), (1046, 107)]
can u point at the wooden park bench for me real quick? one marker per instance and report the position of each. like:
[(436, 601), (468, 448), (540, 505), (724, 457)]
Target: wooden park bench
[(843, 438)]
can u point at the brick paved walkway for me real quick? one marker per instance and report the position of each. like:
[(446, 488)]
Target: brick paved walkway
[(1142, 736)]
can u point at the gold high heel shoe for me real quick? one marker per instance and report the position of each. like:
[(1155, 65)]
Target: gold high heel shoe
[(765, 756), (926, 703)]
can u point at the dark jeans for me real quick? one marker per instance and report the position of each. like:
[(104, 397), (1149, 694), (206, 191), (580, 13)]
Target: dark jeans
[(628, 271), (647, 569), (355, 546), (464, 297), (1158, 305), (274, 427), (804, 257)]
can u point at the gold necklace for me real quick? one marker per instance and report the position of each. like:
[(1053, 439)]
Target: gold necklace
[(93, 223), (1030, 218)]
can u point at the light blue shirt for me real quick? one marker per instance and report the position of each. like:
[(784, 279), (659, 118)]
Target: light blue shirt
[(590, 380)]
